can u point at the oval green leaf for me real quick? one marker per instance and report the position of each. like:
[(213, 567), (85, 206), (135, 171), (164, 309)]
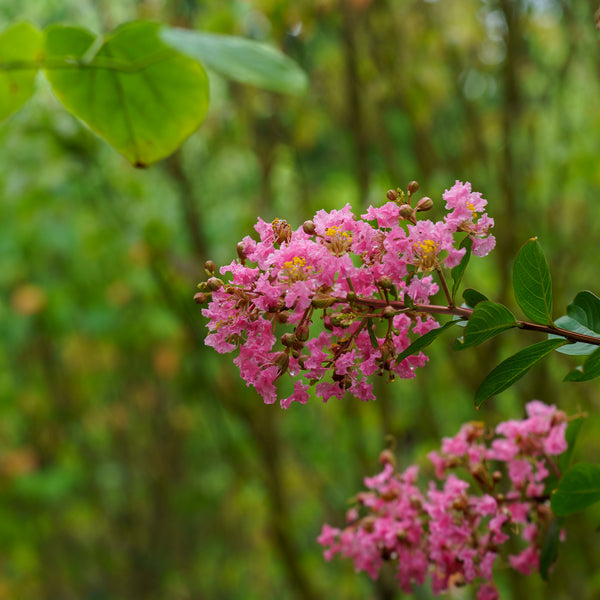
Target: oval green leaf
[(488, 319), (423, 341), (21, 47), (513, 368), (590, 370), (578, 348), (579, 488), (585, 309), (239, 59), (473, 297), (458, 271), (549, 547), (532, 283), (142, 97)]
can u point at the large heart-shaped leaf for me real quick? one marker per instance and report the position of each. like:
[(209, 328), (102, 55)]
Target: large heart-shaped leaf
[(532, 283), (141, 96), (240, 59), (19, 45)]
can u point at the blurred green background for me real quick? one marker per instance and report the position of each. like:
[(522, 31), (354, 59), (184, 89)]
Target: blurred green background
[(134, 463)]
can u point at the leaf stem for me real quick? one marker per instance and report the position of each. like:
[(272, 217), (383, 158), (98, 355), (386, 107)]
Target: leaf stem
[(465, 313)]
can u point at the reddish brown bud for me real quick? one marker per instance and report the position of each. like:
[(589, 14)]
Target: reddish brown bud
[(392, 195), (385, 282), (413, 186), (388, 312), (241, 252), (209, 267), (201, 298), (281, 360), (302, 332), (387, 456), (214, 283), (288, 339), (406, 212), (424, 204), (283, 316), (308, 227), (368, 523)]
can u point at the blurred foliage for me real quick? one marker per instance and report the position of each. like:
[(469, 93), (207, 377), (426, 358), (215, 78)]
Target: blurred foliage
[(133, 461)]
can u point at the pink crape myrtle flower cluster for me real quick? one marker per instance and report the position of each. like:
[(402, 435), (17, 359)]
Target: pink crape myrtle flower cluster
[(453, 534), (348, 290)]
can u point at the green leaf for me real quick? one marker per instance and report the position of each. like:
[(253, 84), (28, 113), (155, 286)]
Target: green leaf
[(21, 43), (458, 271), (423, 341), (513, 368), (473, 297), (585, 309), (578, 348), (372, 336), (142, 97), (591, 369), (579, 488), (564, 460), (240, 59), (532, 283), (488, 319), (549, 549)]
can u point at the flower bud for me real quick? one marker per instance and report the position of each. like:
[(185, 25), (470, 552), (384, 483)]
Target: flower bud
[(424, 204), (214, 283), (388, 312), (287, 339), (413, 186), (209, 267), (295, 353), (308, 227), (283, 316), (368, 523), (351, 296), (201, 298), (203, 286), (392, 195), (406, 212), (241, 252), (385, 281), (281, 360), (387, 456), (322, 301), (302, 332)]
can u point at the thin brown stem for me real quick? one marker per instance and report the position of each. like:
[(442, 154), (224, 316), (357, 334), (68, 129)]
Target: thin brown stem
[(444, 286)]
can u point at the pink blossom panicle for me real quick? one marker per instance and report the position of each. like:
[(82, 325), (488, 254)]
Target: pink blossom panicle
[(454, 534), (333, 286)]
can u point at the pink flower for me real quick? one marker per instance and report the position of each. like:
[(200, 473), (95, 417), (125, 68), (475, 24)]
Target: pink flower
[(337, 263)]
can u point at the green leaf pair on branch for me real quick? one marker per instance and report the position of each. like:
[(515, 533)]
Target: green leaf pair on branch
[(142, 87), (577, 333)]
